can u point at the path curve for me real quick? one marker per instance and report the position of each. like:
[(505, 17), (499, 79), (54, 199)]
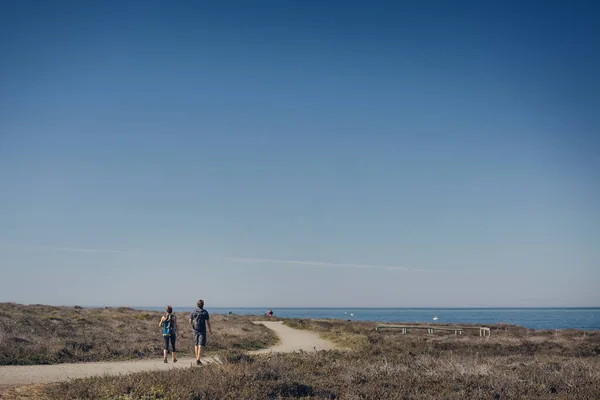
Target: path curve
[(290, 340)]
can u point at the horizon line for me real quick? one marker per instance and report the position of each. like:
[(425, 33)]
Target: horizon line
[(314, 307)]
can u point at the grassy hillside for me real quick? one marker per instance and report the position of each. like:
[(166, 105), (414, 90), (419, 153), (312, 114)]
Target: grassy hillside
[(38, 334), (515, 363)]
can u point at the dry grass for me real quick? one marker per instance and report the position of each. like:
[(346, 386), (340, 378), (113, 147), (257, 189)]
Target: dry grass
[(515, 363), (39, 334), (506, 339)]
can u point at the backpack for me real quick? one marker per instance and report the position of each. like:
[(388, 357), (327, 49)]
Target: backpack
[(168, 329), (197, 319)]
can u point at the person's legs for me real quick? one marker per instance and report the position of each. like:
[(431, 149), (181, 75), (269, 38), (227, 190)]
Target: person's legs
[(166, 350), (197, 346), (199, 342), (201, 346), (173, 339)]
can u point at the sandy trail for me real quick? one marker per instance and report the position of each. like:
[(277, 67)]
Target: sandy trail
[(291, 340), (16, 375)]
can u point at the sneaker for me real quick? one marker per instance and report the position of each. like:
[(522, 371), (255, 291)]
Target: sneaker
[(175, 360), (165, 361), (198, 362)]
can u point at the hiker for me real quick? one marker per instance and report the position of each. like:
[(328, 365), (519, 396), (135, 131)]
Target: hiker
[(168, 322), (200, 319)]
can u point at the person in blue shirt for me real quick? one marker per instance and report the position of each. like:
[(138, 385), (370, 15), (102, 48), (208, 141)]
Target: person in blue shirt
[(168, 323), (200, 319)]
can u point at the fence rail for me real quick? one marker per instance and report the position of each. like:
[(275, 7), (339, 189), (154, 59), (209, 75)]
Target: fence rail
[(458, 330)]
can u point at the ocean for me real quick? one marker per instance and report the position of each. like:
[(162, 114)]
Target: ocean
[(534, 318)]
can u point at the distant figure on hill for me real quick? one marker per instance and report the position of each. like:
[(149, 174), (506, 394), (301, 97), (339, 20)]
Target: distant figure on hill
[(199, 319), (168, 322)]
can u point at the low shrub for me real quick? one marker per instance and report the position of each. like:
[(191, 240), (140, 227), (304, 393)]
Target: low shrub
[(38, 334), (512, 364)]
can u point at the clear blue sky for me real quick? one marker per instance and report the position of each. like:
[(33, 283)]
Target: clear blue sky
[(287, 153)]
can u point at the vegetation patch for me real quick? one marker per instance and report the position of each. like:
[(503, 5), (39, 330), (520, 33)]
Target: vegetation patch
[(515, 363), (39, 334)]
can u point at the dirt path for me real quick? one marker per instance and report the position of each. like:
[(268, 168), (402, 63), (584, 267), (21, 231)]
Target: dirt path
[(16, 375), (291, 340)]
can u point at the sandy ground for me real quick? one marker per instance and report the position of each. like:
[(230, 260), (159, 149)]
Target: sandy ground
[(290, 340)]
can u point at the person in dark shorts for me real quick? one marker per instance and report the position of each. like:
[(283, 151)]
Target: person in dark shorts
[(168, 323), (199, 319)]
